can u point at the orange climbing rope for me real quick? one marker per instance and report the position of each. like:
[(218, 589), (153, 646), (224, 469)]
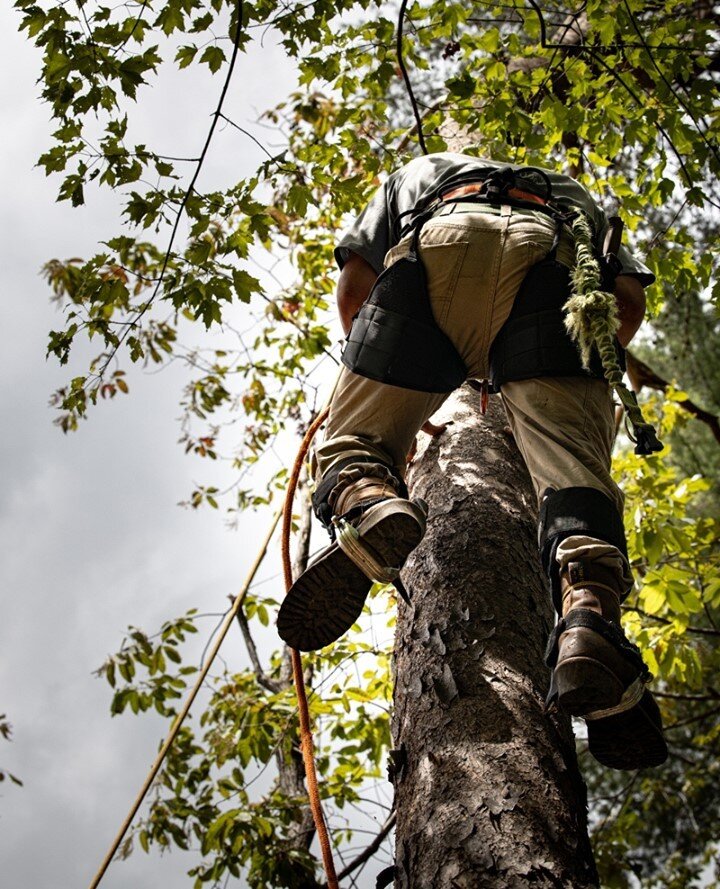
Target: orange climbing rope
[(305, 730), (306, 739)]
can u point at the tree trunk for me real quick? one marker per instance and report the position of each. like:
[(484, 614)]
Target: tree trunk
[(487, 787)]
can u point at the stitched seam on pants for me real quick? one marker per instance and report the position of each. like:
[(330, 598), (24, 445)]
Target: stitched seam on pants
[(485, 342), (440, 303)]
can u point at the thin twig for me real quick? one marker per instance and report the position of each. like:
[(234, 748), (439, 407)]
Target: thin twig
[(250, 136), (684, 105), (186, 197), (583, 47), (711, 712), (675, 696), (406, 78), (700, 631), (370, 850), (132, 30), (260, 674)]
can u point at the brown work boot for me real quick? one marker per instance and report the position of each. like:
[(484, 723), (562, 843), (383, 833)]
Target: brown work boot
[(599, 675), (375, 532), (591, 672)]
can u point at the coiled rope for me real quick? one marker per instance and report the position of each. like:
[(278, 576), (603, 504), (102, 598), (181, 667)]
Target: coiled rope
[(592, 320)]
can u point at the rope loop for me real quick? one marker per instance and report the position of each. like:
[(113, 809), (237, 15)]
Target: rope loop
[(592, 320)]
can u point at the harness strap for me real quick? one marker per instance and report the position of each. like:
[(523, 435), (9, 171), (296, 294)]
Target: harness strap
[(350, 542), (583, 617), (591, 315), (497, 187), (476, 188)]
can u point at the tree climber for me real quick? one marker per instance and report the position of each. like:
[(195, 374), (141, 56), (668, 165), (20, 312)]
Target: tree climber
[(513, 275)]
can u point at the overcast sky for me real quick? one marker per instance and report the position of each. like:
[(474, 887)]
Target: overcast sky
[(92, 538)]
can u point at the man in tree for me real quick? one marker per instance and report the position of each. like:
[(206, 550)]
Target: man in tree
[(478, 260)]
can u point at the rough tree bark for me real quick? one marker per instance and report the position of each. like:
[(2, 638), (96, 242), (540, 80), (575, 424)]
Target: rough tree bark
[(488, 792)]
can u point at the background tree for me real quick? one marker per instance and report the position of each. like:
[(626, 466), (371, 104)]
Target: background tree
[(624, 96), (6, 734)]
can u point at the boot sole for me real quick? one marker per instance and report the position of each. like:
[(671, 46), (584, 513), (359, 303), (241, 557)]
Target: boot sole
[(626, 741), (629, 740), (328, 598)]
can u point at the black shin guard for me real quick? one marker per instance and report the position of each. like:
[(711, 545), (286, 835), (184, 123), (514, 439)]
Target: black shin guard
[(321, 497), (571, 511)]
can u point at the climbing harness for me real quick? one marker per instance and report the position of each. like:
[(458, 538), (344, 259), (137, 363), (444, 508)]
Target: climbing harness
[(306, 740), (395, 339)]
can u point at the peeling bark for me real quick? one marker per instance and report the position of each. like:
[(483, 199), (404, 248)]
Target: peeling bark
[(488, 791)]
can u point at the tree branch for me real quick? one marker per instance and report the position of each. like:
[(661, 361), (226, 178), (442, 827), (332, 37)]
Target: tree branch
[(674, 696), (186, 196), (700, 631), (406, 77), (711, 712), (263, 679), (368, 852), (641, 375)]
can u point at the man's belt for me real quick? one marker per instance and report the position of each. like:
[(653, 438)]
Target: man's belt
[(477, 188)]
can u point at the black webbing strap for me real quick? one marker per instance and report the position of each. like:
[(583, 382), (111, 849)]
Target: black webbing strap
[(583, 617), (496, 183)]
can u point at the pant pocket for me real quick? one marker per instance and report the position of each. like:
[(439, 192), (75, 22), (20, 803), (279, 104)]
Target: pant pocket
[(442, 265)]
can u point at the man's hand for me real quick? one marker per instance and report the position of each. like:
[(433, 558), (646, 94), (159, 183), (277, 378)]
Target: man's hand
[(356, 280), (630, 298)]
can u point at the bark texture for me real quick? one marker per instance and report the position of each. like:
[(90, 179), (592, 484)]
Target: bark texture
[(487, 787)]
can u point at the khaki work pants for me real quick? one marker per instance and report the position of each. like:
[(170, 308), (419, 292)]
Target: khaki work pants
[(476, 259)]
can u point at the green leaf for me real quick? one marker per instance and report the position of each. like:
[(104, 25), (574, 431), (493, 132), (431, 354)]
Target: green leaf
[(185, 55), (245, 285), (213, 57), (463, 86), (171, 17)]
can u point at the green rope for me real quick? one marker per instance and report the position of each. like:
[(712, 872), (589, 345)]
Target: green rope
[(592, 320)]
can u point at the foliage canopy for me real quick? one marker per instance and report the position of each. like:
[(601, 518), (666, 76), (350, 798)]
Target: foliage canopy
[(623, 94)]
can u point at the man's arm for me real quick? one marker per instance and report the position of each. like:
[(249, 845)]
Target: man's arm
[(630, 298), (354, 285)]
